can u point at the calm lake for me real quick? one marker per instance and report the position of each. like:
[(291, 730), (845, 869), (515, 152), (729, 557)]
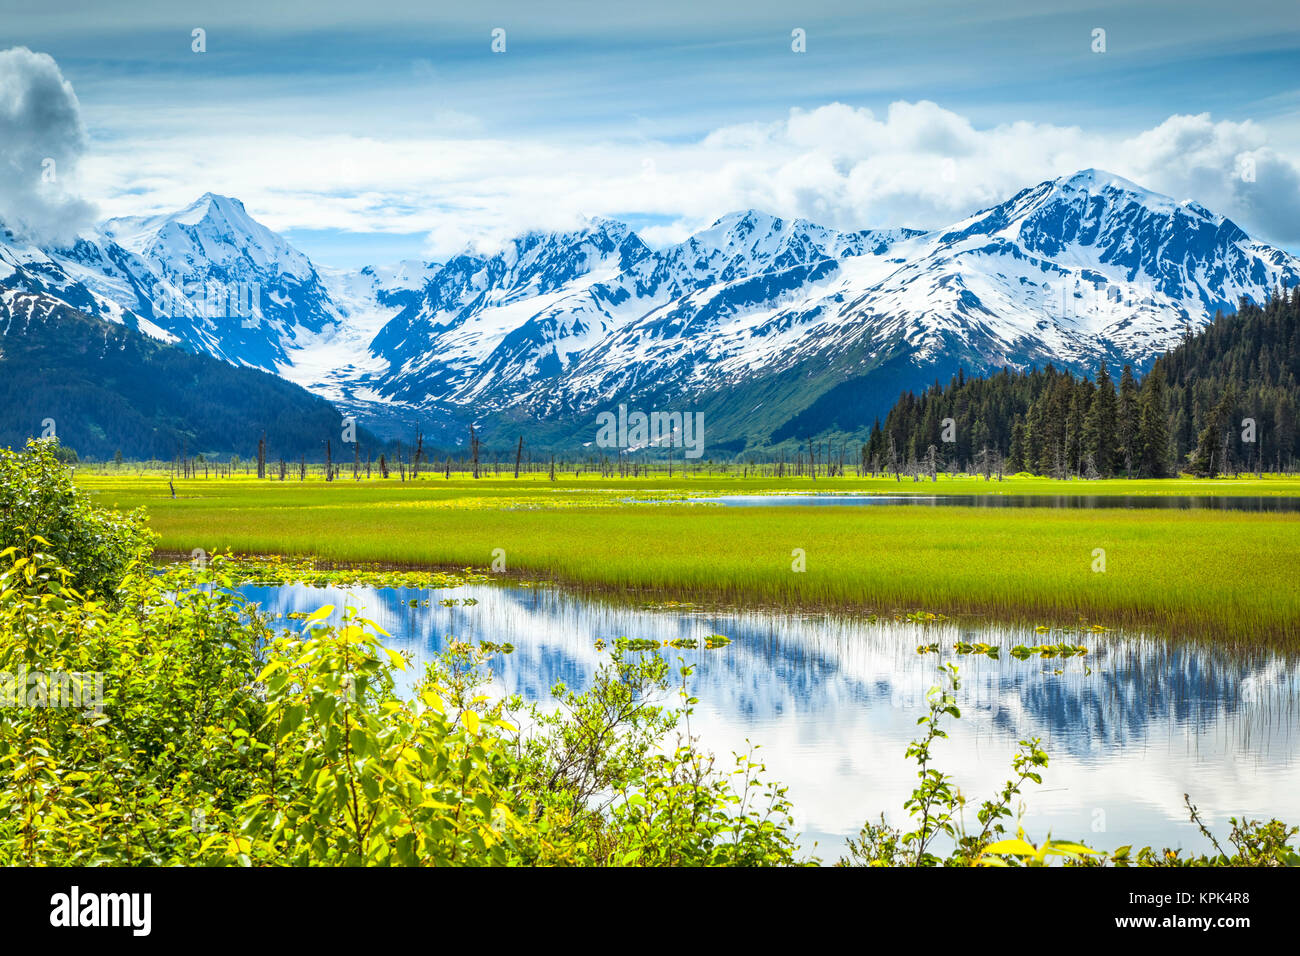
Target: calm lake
[(833, 701), (1213, 502)]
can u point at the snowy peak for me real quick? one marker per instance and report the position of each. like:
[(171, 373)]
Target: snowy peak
[(214, 205), (477, 304), (213, 233), (392, 286), (406, 274), (1099, 180), (1116, 189), (548, 260), (750, 238), (223, 283), (1088, 208), (536, 263), (748, 231), (1114, 230), (212, 208)]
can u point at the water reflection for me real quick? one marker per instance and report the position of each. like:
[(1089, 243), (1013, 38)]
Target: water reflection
[(1130, 727)]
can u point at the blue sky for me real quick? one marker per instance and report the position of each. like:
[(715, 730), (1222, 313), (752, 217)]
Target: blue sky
[(376, 131)]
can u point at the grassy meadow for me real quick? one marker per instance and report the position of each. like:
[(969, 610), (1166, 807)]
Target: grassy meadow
[(1228, 575)]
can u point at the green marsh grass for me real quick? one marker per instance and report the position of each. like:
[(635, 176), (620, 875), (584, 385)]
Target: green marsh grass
[(1228, 575)]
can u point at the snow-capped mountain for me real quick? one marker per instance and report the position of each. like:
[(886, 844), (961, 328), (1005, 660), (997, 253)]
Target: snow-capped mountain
[(477, 306), (1131, 267), (225, 284), (1073, 270), (778, 327), (485, 333), (98, 286)]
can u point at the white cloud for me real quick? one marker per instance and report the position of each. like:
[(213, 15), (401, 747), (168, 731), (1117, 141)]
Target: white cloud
[(41, 141), (1227, 167), (915, 164)]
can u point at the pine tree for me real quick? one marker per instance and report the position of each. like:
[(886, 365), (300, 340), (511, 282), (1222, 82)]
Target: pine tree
[(1153, 427), (1054, 455), (1034, 432), (1016, 457), (1207, 460), (1080, 402), (1102, 424), (1126, 431)]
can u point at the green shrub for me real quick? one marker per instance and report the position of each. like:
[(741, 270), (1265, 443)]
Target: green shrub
[(222, 741), (39, 501)]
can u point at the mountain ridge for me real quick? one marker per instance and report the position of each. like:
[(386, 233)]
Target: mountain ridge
[(554, 326)]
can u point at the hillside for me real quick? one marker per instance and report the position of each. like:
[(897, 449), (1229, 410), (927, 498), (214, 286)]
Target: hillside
[(109, 388)]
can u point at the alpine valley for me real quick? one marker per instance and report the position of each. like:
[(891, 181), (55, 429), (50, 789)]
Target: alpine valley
[(776, 330)]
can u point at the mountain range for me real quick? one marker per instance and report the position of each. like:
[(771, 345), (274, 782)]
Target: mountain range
[(777, 330)]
